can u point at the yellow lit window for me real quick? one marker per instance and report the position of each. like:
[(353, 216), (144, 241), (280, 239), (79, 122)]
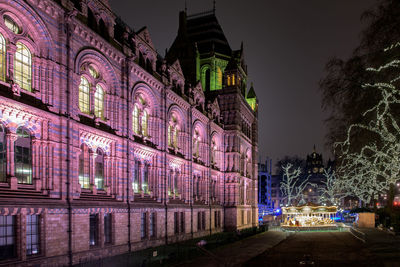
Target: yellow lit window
[(84, 96), (2, 58), (99, 102), (219, 78), (233, 79), (145, 118), (23, 67), (12, 25), (135, 120), (228, 80)]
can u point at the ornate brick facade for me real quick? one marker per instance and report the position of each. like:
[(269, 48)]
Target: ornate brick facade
[(105, 146)]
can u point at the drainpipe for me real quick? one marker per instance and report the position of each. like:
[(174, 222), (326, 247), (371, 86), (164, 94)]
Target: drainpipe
[(190, 122), (165, 193), (67, 18), (128, 176), (209, 171)]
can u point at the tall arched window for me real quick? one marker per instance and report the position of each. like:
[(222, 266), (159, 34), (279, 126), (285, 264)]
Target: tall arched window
[(99, 172), (2, 58), (135, 120), (3, 157), (196, 144), (208, 79), (23, 156), (103, 29), (92, 23), (213, 151), (84, 96), (145, 118), (99, 102), (170, 183), (23, 67), (84, 167), (145, 181), (176, 180), (135, 179)]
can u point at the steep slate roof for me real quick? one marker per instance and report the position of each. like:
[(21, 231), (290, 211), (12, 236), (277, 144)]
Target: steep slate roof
[(207, 33)]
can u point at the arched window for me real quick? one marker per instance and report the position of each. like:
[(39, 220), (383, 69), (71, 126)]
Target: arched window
[(3, 155), (142, 61), (99, 172), (145, 181), (84, 167), (103, 29), (135, 120), (233, 79), (176, 182), (99, 102), (2, 58), (92, 23), (228, 80), (135, 179), (213, 151), (196, 144), (170, 183), (84, 96), (12, 25), (149, 66), (23, 67), (23, 156), (145, 118), (207, 80)]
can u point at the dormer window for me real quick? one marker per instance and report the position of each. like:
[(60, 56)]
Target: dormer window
[(12, 25)]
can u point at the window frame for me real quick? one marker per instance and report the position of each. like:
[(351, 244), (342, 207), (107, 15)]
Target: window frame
[(23, 65), (30, 225), (5, 224)]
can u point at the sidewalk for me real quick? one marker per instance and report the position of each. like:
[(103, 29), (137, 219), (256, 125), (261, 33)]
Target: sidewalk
[(239, 252), (383, 246)]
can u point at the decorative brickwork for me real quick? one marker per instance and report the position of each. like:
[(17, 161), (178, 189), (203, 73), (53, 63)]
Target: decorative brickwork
[(94, 122)]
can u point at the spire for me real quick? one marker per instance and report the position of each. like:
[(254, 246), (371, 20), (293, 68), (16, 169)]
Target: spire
[(215, 3), (314, 148)]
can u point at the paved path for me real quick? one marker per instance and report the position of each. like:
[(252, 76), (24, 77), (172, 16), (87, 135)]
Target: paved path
[(238, 253), (384, 247), (317, 249)]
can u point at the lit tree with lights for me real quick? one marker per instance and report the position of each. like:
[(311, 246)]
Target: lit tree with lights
[(333, 189), (292, 185), (368, 171)]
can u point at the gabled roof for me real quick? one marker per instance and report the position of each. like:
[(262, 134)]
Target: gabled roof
[(251, 94), (144, 34)]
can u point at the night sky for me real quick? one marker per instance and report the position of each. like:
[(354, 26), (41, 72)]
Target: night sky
[(286, 44)]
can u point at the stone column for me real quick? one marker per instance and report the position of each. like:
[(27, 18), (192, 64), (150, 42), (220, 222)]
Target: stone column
[(107, 183), (10, 140), (36, 179)]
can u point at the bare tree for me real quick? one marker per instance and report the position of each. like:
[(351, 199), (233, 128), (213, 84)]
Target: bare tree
[(292, 186)]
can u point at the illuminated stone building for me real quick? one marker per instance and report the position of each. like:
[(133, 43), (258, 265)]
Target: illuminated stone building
[(107, 147)]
